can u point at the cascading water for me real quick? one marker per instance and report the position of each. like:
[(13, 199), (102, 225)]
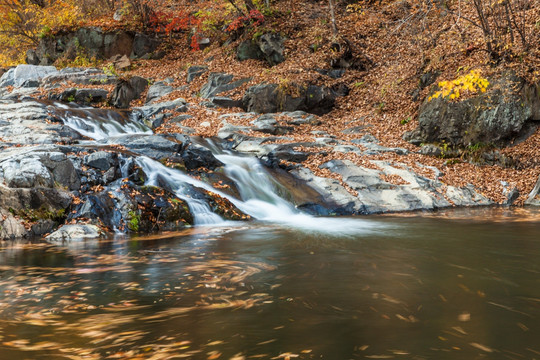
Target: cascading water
[(179, 183), (99, 124), (258, 192)]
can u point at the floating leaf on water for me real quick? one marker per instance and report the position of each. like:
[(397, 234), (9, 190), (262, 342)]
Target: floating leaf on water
[(213, 343), (482, 347), (464, 317)]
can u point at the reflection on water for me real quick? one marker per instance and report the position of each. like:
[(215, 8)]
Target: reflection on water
[(458, 285)]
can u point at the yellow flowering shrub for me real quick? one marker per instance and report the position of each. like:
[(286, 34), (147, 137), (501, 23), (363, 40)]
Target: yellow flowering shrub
[(473, 82)]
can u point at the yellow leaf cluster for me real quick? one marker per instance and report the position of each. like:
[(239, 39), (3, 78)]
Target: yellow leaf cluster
[(22, 23), (473, 82)]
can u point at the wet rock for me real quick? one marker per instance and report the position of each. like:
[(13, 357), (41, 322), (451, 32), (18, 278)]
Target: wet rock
[(194, 72), (153, 146), (126, 91), (75, 232), (219, 83), (10, 227), (129, 207), (196, 157), (101, 160)]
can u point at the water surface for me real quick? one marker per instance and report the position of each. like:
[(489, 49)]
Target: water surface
[(449, 285)]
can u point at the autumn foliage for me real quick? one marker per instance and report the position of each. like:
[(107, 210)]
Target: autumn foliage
[(23, 22)]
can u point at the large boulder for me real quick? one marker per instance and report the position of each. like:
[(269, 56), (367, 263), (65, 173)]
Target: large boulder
[(507, 111), (272, 98), (22, 74), (128, 90), (38, 167), (29, 122), (267, 47)]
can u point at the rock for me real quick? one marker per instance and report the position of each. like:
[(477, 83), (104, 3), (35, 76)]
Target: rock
[(196, 157), (267, 47), (267, 124), (219, 83), (10, 227), (126, 206), (386, 188), (534, 196), (31, 57), (225, 102), (23, 73), (75, 232), (82, 96), (430, 150), (121, 62), (37, 167), (271, 98), (27, 122), (249, 49), (100, 160), (271, 46), (157, 91), (511, 196), (149, 110), (332, 73), (499, 116), (143, 45), (35, 198), (126, 91), (153, 146), (194, 72), (82, 76), (93, 42)]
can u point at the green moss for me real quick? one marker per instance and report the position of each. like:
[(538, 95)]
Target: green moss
[(42, 213), (134, 221)]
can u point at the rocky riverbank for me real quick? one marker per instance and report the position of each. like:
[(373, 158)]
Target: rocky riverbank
[(54, 175)]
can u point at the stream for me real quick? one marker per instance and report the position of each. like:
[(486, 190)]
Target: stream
[(462, 284), (454, 284)]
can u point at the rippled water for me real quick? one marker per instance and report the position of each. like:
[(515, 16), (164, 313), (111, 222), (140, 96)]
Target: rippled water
[(450, 285)]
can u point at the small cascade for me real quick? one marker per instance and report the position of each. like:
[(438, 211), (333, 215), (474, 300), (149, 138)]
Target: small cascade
[(181, 185), (259, 198), (99, 124)]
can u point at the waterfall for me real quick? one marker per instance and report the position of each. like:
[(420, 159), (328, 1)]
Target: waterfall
[(258, 196), (179, 183)]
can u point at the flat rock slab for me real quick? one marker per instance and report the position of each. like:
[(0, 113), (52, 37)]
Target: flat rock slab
[(75, 232)]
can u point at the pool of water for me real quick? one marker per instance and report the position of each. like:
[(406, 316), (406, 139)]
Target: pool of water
[(449, 285)]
